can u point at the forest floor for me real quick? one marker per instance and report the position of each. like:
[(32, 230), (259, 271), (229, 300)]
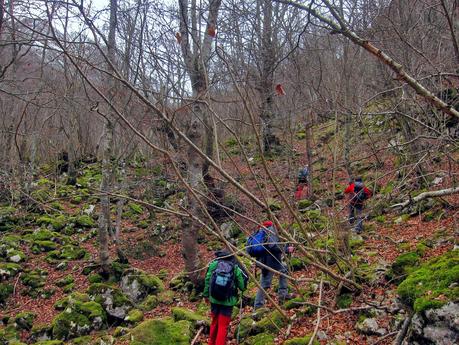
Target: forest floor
[(384, 239)]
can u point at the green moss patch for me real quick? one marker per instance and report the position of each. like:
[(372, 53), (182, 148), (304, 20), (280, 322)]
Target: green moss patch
[(57, 222), (84, 221), (403, 265), (5, 292), (189, 315), (301, 341), (344, 301), (270, 323), (67, 252), (432, 284), (134, 316), (9, 269), (161, 332), (78, 319), (25, 320), (260, 339)]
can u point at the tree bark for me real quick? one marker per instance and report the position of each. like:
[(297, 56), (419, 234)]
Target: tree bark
[(107, 151), (266, 82), (195, 62)]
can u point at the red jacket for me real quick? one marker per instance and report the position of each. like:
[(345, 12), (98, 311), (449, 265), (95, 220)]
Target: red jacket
[(350, 189)]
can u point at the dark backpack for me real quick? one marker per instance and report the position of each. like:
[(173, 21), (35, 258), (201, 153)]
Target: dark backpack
[(359, 193), (222, 281), (263, 241), (303, 175)]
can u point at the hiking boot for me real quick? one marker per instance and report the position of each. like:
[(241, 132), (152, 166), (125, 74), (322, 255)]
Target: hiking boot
[(286, 297)]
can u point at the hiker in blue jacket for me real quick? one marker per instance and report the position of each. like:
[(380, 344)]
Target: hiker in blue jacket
[(272, 259)]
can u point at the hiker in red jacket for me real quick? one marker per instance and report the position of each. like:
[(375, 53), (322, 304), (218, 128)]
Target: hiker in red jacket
[(358, 194)]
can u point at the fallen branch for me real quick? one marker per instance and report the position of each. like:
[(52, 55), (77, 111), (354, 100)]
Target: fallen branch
[(16, 283), (402, 333), (430, 194), (384, 337), (313, 336), (197, 335)]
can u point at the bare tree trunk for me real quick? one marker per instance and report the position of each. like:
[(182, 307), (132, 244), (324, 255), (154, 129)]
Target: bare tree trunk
[(195, 61), (104, 216), (308, 127), (266, 86), (107, 147)]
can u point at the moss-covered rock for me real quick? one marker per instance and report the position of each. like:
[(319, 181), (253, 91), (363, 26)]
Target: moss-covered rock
[(177, 282), (78, 318), (271, 323), (84, 340), (403, 264), (134, 316), (260, 339), (5, 292), (68, 279), (245, 328), (304, 204), (43, 246), (44, 235), (71, 299), (137, 284), (189, 315), (95, 278), (161, 332), (9, 269), (41, 332), (56, 222), (433, 284), (34, 280), (116, 304), (70, 324), (301, 341), (67, 252), (15, 255), (50, 342), (9, 334), (149, 303), (25, 320), (294, 303), (166, 297), (84, 221)]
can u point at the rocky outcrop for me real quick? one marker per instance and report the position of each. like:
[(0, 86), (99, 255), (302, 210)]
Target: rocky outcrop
[(436, 326)]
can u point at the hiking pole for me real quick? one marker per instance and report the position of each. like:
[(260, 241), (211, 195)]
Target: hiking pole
[(239, 322)]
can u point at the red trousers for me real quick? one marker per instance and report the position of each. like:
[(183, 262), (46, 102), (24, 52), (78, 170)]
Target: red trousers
[(301, 192), (218, 328)]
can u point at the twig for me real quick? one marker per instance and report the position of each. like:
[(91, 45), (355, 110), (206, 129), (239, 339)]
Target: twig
[(402, 333), (16, 283), (197, 335), (313, 336), (384, 337)]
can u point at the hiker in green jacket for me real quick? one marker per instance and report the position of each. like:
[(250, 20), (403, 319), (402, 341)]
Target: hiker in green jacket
[(223, 279)]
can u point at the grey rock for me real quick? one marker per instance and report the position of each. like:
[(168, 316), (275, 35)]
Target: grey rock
[(370, 327), (118, 312), (321, 335), (436, 326), (132, 288)]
